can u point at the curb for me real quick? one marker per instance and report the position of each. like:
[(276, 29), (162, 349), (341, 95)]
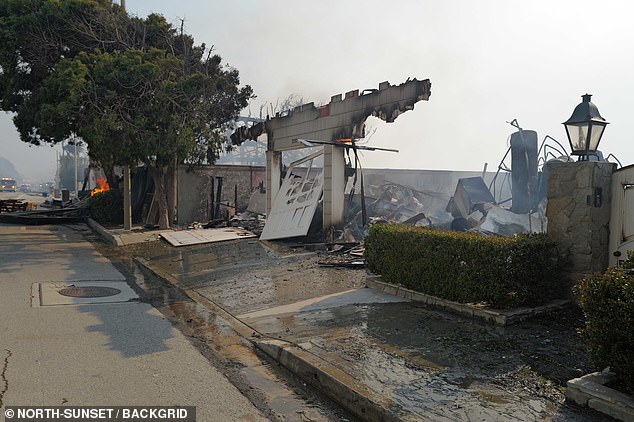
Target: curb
[(332, 381), (336, 384), (109, 237), (590, 391), (492, 316), (126, 237)]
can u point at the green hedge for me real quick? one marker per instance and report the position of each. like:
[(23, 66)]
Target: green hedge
[(608, 303), (106, 207), (502, 272)]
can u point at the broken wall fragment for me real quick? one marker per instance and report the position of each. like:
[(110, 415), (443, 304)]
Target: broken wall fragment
[(471, 195)]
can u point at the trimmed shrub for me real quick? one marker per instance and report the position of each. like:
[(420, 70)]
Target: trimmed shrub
[(502, 272), (607, 301), (106, 207)]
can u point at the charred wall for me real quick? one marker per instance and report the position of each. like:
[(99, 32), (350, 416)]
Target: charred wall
[(195, 200)]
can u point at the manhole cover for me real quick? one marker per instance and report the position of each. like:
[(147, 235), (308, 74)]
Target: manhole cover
[(89, 291)]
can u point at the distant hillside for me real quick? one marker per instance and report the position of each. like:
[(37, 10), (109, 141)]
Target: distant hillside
[(7, 169)]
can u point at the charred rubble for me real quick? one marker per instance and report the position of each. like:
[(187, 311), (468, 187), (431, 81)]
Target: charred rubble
[(514, 201)]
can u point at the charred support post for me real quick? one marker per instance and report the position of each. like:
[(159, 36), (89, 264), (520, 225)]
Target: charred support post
[(334, 186), (212, 208), (218, 197), (235, 199), (273, 176)]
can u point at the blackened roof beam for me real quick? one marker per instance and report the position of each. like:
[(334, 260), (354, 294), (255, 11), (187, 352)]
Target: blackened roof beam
[(344, 118)]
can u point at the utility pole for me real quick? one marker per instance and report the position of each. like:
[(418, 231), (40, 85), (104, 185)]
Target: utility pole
[(127, 200), (76, 189)]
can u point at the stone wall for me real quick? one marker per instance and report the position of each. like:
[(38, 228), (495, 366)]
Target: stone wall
[(195, 196), (579, 200)]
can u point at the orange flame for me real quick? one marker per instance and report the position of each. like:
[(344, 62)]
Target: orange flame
[(102, 186)]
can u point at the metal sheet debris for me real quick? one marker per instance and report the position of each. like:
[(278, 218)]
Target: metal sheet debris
[(195, 237), (295, 203), (507, 223)]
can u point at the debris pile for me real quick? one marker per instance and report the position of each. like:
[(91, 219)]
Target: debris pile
[(392, 202), (246, 220), (12, 205), (54, 212), (343, 256), (474, 209), (249, 221), (471, 208), (38, 217)]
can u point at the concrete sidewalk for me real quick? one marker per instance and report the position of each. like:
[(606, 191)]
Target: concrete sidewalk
[(68, 349)]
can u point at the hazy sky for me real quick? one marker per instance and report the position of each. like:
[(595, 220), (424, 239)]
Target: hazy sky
[(489, 62)]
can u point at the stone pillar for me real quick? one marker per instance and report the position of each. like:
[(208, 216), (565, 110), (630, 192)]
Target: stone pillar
[(578, 212), (273, 177), (334, 186)]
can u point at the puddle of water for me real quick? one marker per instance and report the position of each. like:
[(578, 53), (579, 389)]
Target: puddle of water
[(493, 398)]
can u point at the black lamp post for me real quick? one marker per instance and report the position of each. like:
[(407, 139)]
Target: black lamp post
[(585, 128)]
